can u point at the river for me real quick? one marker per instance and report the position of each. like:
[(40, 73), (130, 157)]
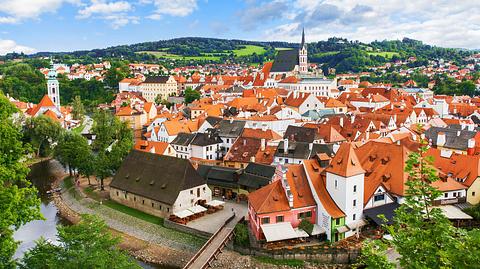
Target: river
[(42, 174)]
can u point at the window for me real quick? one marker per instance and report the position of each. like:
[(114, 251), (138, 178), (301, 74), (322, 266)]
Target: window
[(336, 184), (117, 193), (134, 198), (337, 221), (473, 193), (160, 207), (303, 215), (143, 202), (279, 219), (354, 216), (379, 197), (354, 203), (153, 205), (354, 188), (266, 220), (191, 192)]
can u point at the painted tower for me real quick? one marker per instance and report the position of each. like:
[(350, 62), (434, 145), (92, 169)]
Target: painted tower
[(302, 56), (345, 180), (53, 87)]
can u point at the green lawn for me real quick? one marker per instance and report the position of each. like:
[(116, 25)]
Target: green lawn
[(134, 212), (78, 129), (283, 48), (386, 54), (249, 50), (246, 51), (326, 53)]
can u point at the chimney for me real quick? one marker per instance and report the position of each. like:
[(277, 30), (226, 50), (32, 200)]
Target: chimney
[(285, 145), (341, 121), (352, 118), (441, 139), (290, 199), (244, 142), (310, 146), (262, 144), (264, 127), (471, 143), (459, 132), (252, 159), (335, 148), (231, 120)]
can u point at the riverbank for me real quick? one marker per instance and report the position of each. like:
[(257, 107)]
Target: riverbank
[(145, 241), (151, 242)]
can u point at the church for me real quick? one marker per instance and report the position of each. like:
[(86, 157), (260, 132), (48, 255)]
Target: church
[(291, 62), (49, 105), (290, 71)]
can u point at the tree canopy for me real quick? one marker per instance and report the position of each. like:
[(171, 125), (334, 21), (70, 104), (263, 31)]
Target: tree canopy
[(87, 244), (18, 198)]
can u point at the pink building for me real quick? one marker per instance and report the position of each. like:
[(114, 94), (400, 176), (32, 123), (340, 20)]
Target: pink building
[(287, 200)]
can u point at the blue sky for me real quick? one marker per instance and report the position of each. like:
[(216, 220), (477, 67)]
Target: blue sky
[(66, 25)]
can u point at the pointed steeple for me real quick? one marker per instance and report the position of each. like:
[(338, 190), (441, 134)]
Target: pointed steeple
[(303, 38)]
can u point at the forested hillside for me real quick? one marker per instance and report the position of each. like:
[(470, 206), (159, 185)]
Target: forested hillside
[(339, 53)]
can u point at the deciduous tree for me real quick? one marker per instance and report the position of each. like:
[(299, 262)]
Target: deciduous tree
[(18, 198)]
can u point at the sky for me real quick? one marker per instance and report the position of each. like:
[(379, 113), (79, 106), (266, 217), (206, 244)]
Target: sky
[(67, 25)]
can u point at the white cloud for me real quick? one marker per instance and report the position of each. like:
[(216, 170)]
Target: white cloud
[(114, 12), (7, 46), (443, 23), (103, 8), (178, 8), (14, 11)]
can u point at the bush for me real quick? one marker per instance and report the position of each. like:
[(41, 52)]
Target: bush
[(306, 225), (473, 211), (241, 235)]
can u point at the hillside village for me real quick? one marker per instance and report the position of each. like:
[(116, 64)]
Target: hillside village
[(284, 143)]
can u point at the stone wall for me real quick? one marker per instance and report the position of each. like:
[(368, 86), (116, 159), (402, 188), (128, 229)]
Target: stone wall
[(173, 225), (141, 203)]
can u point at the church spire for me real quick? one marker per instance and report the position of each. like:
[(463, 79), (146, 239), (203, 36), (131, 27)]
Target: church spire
[(303, 38)]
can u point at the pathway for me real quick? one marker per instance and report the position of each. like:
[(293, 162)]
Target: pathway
[(214, 245)]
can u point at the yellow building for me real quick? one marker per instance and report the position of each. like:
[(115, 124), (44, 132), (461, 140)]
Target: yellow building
[(164, 86)]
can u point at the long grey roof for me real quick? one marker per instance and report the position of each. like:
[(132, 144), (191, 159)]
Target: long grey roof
[(183, 139), (157, 177), (157, 79), (454, 139), (230, 129), (301, 150), (285, 61)]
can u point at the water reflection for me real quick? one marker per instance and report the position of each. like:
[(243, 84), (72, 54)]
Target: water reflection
[(42, 175)]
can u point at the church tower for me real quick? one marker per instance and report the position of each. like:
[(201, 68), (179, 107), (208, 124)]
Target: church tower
[(53, 86), (302, 55)]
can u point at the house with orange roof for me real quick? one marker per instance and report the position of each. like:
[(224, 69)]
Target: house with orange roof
[(160, 148), (279, 207), (302, 102), (135, 118), (168, 130)]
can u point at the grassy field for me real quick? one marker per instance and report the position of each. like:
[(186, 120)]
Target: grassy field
[(327, 53), (283, 48), (134, 213), (246, 51), (249, 50), (386, 54)]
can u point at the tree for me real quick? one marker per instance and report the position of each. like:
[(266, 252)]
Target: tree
[(87, 244), (18, 198), (114, 140), (42, 133), (421, 234), (191, 95), (71, 150), (86, 166), (78, 110), (306, 225)]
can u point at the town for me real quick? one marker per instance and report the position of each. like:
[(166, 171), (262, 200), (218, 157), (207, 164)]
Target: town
[(287, 160)]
